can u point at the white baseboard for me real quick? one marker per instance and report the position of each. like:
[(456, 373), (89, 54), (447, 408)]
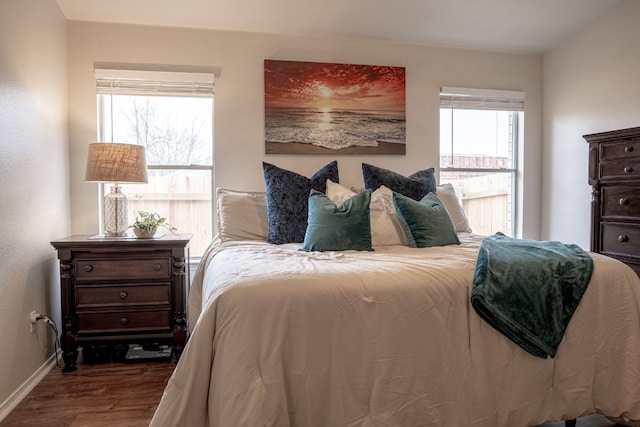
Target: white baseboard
[(16, 397)]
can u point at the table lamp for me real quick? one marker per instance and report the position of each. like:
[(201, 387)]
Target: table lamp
[(116, 163)]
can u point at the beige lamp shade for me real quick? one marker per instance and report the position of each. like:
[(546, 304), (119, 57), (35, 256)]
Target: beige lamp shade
[(116, 162)]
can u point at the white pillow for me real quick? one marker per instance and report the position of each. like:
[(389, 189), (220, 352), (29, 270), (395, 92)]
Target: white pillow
[(385, 225), (447, 194), (241, 215)]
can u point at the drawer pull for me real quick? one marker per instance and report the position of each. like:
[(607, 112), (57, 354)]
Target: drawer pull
[(623, 201), (628, 149), (622, 238), (628, 169), (124, 320), (157, 267), (123, 295), (88, 268)]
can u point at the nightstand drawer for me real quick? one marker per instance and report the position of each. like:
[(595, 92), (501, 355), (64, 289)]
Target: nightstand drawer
[(122, 269), (621, 239), (124, 321), (92, 296)]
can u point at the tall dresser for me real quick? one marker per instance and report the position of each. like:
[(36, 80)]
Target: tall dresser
[(614, 176)]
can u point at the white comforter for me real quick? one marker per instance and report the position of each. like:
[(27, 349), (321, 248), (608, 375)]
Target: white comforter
[(388, 338)]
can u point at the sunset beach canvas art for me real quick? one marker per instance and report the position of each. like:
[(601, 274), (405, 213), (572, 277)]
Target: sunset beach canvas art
[(326, 108)]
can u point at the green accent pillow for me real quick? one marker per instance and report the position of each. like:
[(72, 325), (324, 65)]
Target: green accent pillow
[(338, 228), (425, 223)]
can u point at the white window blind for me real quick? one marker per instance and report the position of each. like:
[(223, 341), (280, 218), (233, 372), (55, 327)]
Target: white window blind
[(135, 82), (481, 99)]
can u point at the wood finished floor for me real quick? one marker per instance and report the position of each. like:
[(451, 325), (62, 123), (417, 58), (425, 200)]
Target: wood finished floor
[(117, 394), (103, 394)]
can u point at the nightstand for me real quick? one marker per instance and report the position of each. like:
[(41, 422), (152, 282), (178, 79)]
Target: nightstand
[(122, 290)]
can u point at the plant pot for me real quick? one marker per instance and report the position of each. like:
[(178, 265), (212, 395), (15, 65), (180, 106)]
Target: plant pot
[(142, 233)]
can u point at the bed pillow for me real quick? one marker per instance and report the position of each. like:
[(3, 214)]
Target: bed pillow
[(386, 229), (426, 223), (287, 200), (241, 215), (415, 186), (338, 228), (447, 194)]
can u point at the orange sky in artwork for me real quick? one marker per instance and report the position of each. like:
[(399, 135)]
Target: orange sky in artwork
[(333, 86)]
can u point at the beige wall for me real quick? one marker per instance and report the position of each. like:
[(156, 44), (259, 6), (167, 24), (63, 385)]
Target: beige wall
[(34, 202), (590, 85), (238, 128)]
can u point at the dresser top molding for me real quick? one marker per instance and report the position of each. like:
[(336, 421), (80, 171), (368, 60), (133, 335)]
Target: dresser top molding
[(613, 135)]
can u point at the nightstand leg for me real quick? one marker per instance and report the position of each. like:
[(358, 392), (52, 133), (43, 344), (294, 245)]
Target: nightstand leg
[(70, 361), (69, 353), (180, 266)]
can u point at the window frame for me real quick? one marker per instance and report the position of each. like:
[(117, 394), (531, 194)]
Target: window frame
[(114, 82), (490, 100)]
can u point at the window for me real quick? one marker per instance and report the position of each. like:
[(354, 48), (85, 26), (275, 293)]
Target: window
[(171, 114), (479, 138)]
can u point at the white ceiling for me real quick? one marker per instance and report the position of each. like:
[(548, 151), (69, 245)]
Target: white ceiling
[(518, 26)]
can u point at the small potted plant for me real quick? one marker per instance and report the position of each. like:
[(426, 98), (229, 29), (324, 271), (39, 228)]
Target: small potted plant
[(147, 224)]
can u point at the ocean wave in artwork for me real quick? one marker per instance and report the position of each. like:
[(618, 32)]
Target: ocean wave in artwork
[(334, 129)]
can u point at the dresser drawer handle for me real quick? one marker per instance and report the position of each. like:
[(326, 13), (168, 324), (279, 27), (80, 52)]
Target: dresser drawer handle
[(628, 149), (157, 267), (628, 169), (123, 295), (124, 320), (623, 201), (88, 268), (623, 238)]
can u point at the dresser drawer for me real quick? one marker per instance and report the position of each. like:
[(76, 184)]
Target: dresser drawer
[(124, 321), (620, 202), (123, 269), (620, 170), (625, 149), (621, 239), (92, 296)]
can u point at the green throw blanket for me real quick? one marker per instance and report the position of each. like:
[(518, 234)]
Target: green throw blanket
[(528, 290)]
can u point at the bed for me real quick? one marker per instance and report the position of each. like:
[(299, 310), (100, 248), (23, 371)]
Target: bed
[(386, 337)]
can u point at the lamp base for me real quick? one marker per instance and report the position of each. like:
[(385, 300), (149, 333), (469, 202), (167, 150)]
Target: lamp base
[(115, 213), (108, 234)]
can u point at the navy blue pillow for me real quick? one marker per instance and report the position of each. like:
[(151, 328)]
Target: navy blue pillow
[(288, 200), (415, 186)]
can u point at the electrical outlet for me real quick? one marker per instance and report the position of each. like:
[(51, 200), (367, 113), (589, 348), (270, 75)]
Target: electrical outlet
[(33, 319)]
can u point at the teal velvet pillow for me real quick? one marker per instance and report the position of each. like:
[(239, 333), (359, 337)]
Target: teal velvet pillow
[(338, 228), (425, 223)]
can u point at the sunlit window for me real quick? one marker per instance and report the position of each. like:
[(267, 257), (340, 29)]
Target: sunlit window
[(479, 134), (172, 117)]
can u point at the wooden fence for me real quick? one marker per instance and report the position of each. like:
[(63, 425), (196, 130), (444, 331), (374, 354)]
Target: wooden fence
[(485, 200), (182, 198), (185, 200)]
